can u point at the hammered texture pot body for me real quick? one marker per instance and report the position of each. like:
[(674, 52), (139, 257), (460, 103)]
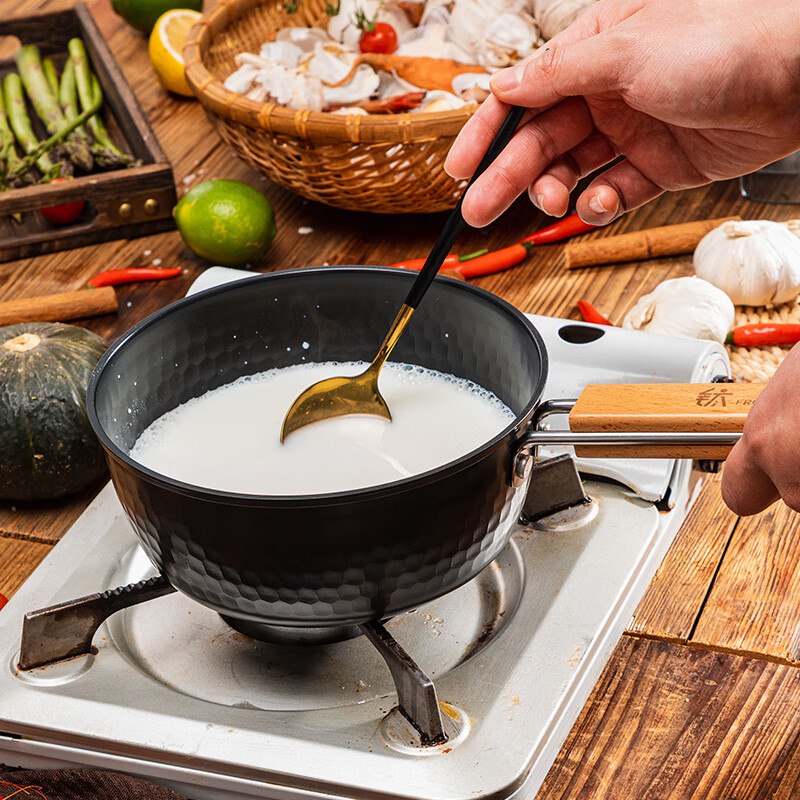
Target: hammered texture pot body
[(318, 560)]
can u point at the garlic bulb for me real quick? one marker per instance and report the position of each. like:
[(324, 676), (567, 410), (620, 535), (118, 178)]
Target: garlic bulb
[(304, 38), (793, 225), (495, 31), (755, 262), (553, 16), (688, 307), (431, 38), (438, 100)]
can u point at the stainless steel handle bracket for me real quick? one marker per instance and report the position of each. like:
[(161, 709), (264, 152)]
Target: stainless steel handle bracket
[(527, 445)]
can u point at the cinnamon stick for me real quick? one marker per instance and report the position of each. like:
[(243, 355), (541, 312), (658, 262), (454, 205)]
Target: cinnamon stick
[(669, 240), (59, 307)]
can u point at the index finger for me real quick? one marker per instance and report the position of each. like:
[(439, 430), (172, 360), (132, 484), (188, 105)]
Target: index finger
[(475, 137)]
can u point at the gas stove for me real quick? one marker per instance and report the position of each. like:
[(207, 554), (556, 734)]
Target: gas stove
[(172, 694)]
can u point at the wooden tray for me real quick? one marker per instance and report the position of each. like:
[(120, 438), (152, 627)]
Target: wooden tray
[(120, 204)]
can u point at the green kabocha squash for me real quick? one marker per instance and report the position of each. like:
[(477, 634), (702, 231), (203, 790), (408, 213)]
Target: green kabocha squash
[(47, 447)]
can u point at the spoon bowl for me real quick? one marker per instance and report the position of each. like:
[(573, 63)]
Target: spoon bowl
[(358, 394)]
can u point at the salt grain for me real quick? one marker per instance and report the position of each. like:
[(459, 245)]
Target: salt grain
[(304, 229), (156, 262)]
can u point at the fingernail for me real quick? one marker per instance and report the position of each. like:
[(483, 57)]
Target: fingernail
[(507, 79), (538, 201), (596, 204)]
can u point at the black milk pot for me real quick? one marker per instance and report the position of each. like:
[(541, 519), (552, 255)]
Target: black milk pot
[(330, 559)]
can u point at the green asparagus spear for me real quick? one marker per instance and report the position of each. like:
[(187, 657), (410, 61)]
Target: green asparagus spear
[(44, 147), (68, 97), (47, 107), (20, 122), (51, 74), (9, 160), (107, 154)]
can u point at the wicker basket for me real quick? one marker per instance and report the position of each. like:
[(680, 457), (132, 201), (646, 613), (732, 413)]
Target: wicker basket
[(379, 162)]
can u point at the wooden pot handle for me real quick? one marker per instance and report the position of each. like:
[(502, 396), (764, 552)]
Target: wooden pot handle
[(665, 408)]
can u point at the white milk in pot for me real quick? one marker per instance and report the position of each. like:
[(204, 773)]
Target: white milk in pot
[(229, 438)]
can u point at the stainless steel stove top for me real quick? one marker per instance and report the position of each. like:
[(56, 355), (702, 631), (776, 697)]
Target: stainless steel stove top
[(175, 696)]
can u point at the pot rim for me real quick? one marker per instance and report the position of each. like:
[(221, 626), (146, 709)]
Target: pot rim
[(320, 499)]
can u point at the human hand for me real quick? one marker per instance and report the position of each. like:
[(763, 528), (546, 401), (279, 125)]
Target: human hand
[(765, 464), (688, 91)]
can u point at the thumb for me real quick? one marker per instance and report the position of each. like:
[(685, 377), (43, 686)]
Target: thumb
[(565, 68)]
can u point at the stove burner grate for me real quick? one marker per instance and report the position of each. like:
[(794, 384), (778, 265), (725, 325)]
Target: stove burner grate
[(66, 630)]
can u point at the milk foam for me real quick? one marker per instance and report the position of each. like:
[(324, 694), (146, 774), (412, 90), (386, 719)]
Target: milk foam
[(229, 438)]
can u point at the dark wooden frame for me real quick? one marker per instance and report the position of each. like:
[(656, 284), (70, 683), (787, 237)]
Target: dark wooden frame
[(119, 207)]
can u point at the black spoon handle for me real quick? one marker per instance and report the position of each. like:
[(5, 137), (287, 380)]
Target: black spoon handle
[(455, 222)]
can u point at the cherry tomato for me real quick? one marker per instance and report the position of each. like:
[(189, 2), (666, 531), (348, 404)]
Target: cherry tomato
[(65, 213), (381, 39)]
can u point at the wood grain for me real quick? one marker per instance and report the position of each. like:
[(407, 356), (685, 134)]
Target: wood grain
[(674, 599), (753, 605), (18, 559), (674, 723), (662, 408), (668, 240), (44, 522)]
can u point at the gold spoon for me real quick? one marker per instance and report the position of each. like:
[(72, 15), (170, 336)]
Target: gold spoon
[(359, 394)]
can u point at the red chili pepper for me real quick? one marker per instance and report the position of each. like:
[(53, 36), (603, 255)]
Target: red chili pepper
[(112, 277), (764, 334), (487, 263), (563, 229), (3, 600), (450, 262), (418, 263), (591, 314), (496, 261)]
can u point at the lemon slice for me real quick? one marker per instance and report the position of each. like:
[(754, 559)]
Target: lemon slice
[(166, 43)]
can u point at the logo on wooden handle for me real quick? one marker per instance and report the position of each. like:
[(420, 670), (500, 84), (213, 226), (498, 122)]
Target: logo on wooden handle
[(721, 397)]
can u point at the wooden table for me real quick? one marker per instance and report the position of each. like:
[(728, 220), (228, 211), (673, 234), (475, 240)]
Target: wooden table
[(702, 696)]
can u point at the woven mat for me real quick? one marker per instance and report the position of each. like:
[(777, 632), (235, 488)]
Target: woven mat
[(77, 784), (757, 364)]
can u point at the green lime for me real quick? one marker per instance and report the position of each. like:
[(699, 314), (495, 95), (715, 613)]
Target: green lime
[(142, 14), (227, 222)]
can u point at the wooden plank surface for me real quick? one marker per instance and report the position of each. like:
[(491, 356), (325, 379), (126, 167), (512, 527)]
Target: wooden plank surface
[(674, 600), (18, 558), (667, 722), (754, 604)]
